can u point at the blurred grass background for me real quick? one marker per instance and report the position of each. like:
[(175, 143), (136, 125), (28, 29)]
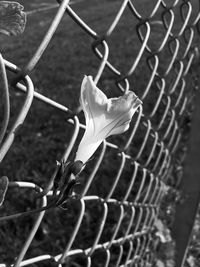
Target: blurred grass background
[(45, 134)]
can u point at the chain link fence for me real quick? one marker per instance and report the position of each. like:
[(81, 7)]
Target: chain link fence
[(111, 222)]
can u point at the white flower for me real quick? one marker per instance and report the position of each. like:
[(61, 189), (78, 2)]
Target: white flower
[(103, 116)]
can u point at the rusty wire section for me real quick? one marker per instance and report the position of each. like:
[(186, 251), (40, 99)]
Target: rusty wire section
[(131, 241)]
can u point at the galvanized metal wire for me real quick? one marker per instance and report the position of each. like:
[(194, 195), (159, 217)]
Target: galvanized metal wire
[(131, 241)]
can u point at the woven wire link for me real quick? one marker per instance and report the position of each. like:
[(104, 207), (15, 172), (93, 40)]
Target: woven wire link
[(143, 169)]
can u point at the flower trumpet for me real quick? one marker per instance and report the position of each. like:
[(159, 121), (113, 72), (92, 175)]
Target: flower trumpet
[(103, 116)]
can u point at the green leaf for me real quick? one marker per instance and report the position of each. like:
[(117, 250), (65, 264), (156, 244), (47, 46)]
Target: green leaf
[(12, 18), (3, 188)]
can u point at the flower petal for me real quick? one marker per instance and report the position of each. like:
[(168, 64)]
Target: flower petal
[(92, 99), (123, 104), (86, 149), (119, 114)]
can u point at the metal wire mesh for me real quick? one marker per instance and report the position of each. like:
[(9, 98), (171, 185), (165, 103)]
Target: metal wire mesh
[(147, 155)]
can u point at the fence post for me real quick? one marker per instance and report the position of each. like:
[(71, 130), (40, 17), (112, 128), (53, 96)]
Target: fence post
[(190, 188)]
